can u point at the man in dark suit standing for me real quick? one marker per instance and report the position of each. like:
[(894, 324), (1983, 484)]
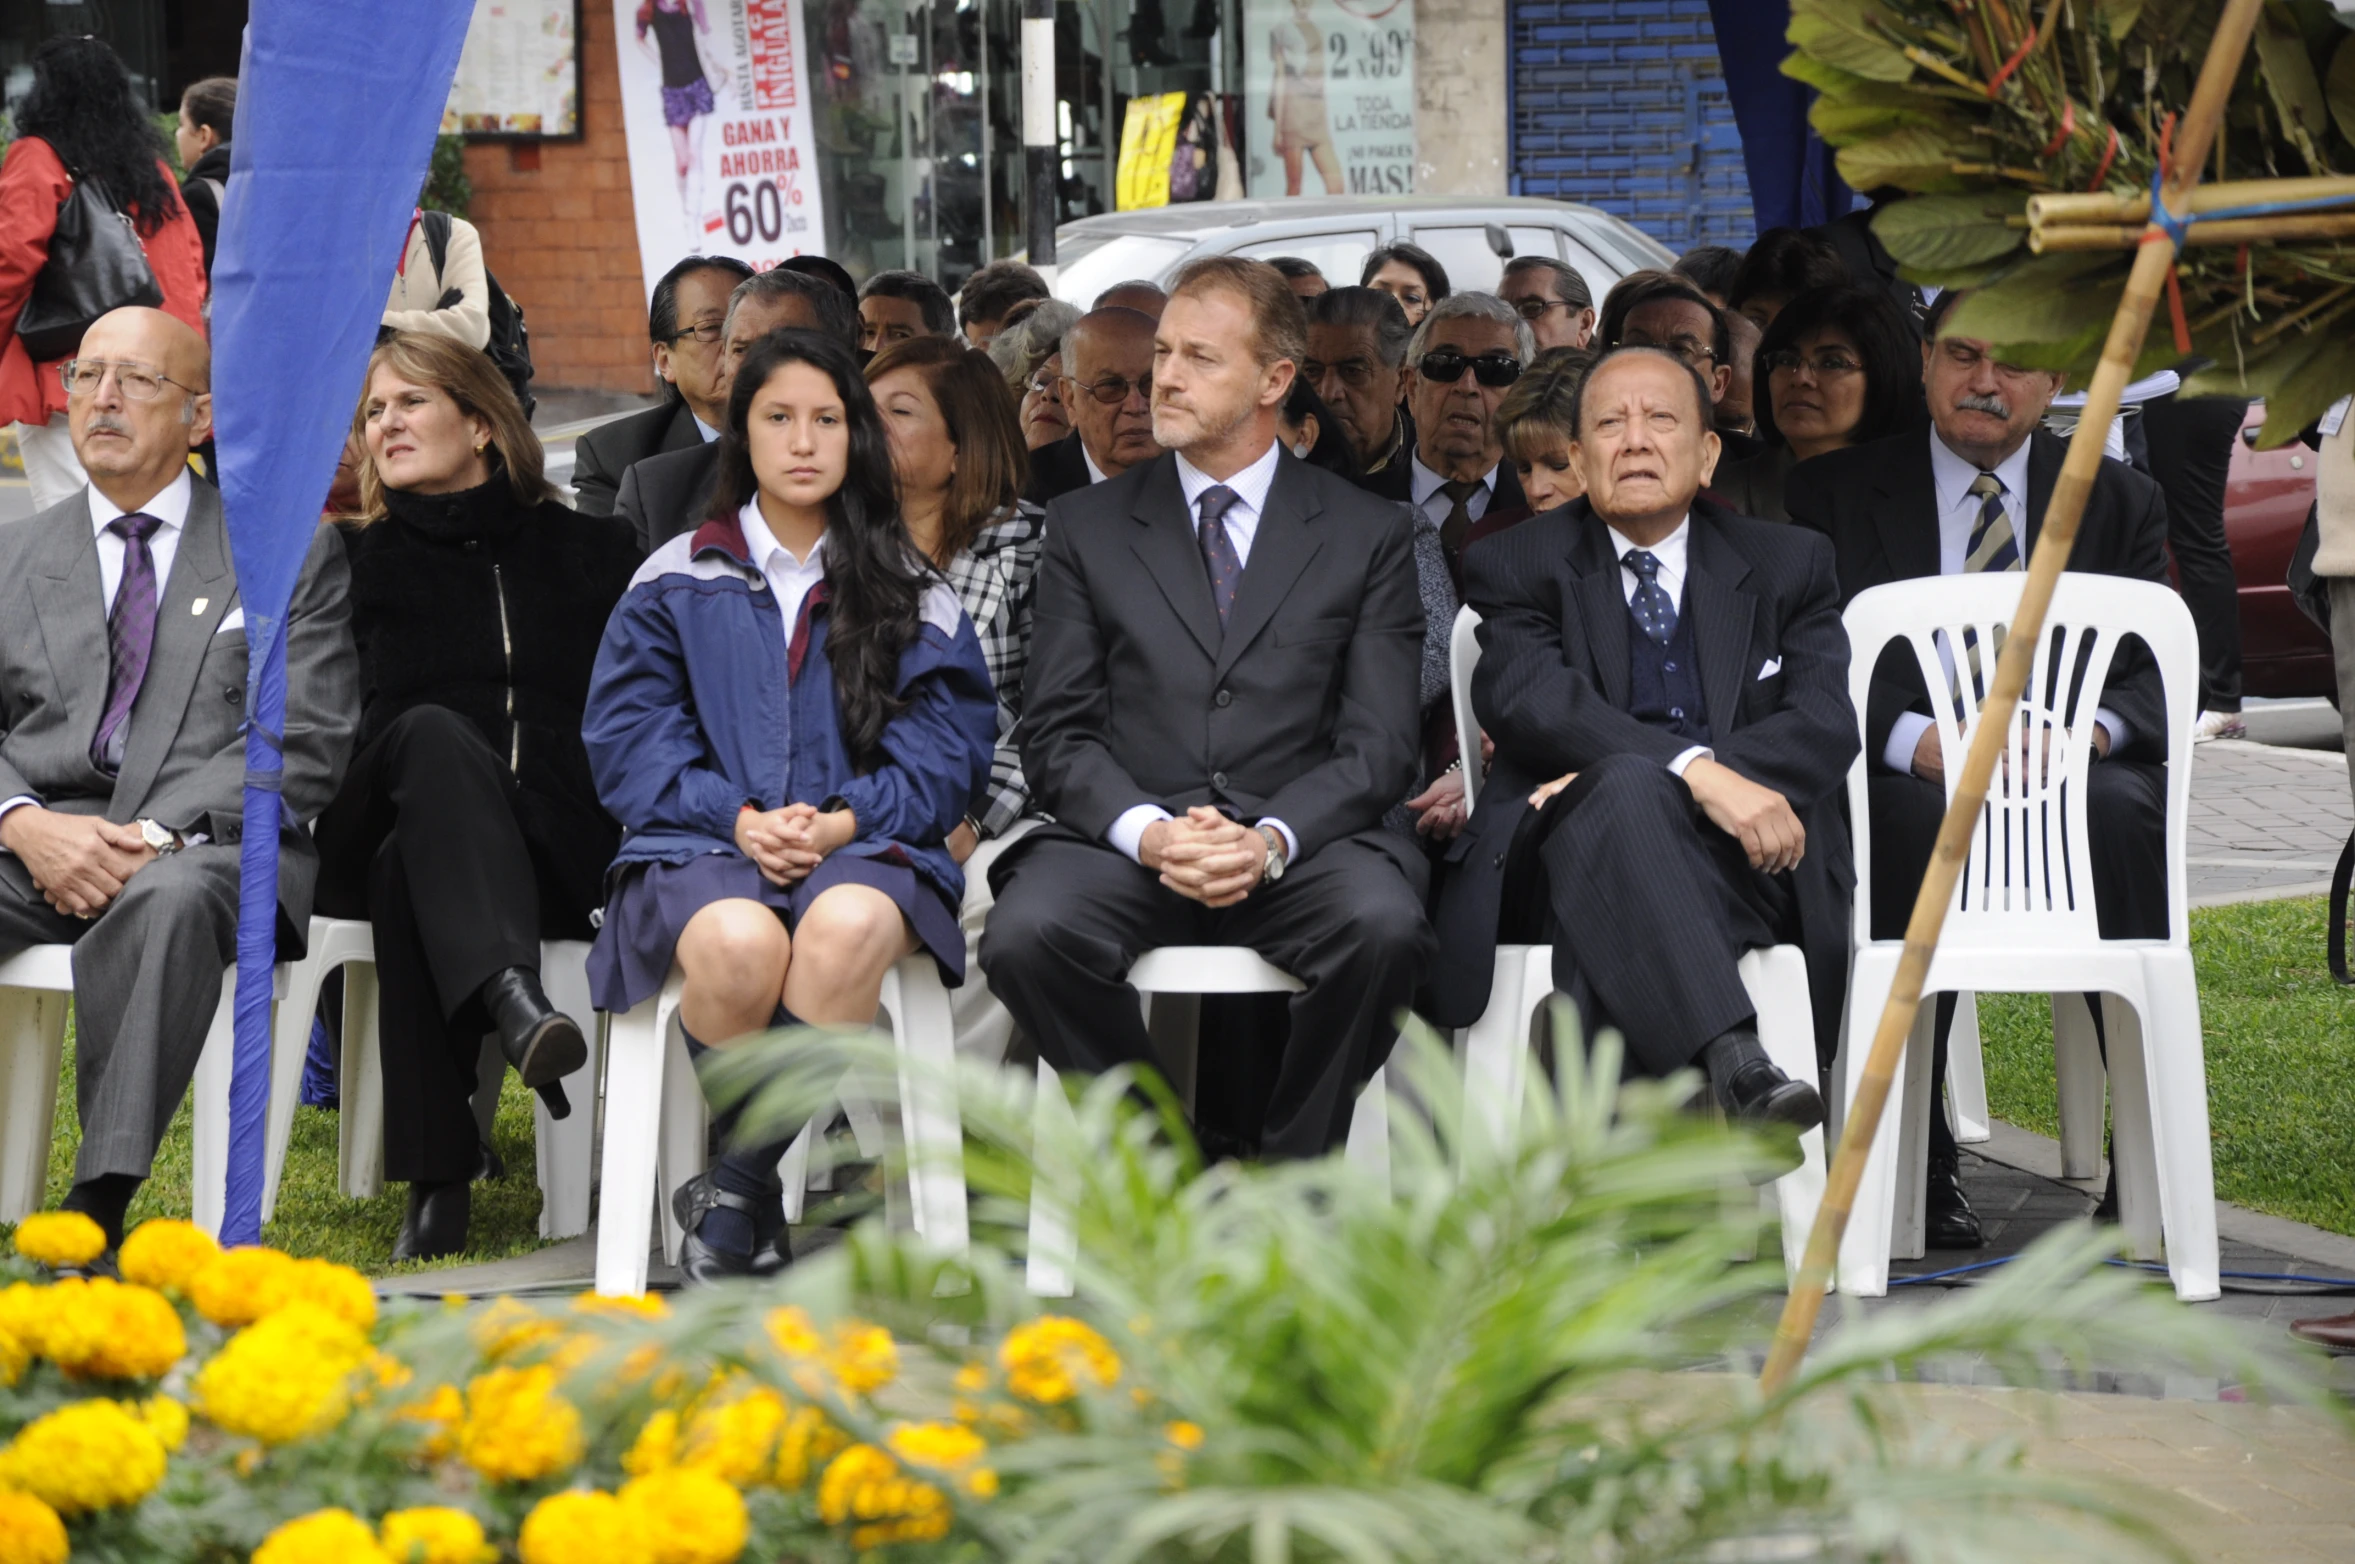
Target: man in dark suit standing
[(1666, 685), (687, 323), (1108, 390), (122, 760), (1222, 701), (670, 493), (1968, 495), (1461, 360)]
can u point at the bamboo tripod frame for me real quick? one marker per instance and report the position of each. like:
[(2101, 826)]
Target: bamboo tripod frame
[(2152, 263)]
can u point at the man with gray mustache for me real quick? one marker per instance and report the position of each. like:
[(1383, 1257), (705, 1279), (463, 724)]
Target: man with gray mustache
[(1968, 495)]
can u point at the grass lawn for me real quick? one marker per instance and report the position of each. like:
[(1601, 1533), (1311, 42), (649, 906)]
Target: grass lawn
[(2281, 1061), (314, 1219)]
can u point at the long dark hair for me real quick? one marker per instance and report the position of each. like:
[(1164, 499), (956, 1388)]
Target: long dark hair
[(875, 580), (80, 103), (1888, 344)]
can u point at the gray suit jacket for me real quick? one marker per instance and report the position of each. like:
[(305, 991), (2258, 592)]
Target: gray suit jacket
[(184, 762), (668, 493), (606, 453)]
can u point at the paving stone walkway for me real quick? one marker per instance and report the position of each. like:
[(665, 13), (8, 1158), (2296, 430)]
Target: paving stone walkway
[(2266, 820)]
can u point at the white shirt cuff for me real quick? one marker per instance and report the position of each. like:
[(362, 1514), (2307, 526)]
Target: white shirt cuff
[(2120, 733), (1128, 832), (1291, 842), (1676, 766), (18, 802), (1904, 735)]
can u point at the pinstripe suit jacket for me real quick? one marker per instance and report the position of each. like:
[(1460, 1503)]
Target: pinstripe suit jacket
[(1552, 692)]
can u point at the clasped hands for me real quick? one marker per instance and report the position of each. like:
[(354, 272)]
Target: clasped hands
[(786, 844), (80, 862), (1204, 856), (1929, 752), (1758, 817)]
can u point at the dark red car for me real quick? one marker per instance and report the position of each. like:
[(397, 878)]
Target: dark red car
[(2266, 497)]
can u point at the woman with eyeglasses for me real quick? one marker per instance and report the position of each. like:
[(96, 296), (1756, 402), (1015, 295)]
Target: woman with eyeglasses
[(1839, 366), (1408, 273)]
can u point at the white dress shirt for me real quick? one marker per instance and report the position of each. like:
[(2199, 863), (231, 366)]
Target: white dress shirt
[(1423, 484), (1095, 473), (788, 577), (1250, 488), (1958, 513), (707, 431), (1670, 551)]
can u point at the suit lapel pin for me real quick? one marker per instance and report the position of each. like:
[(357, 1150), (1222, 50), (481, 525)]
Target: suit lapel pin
[(198, 607)]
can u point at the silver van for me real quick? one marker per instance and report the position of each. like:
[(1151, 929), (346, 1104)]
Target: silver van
[(1336, 233)]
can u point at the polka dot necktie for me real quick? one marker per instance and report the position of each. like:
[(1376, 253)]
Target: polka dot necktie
[(130, 638), (1218, 549), (1653, 611)]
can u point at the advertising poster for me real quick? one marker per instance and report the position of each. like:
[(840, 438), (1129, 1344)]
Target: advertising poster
[(715, 99), (520, 72), (1330, 92)]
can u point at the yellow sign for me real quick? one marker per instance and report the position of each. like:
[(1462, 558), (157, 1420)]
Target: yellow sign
[(1148, 138)]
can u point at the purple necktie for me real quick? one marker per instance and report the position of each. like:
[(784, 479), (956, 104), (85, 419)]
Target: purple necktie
[(130, 637), (1218, 549)]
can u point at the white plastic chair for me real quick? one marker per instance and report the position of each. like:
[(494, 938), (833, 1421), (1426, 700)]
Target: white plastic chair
[(655, 1124), (1171, 973), (563, 1149), (2023, 920), (1496, 1047), (36, 987)]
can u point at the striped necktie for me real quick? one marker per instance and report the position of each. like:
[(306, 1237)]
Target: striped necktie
[(130, 638), (1992, 548)]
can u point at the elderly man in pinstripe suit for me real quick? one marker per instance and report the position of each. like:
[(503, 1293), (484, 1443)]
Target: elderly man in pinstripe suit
[(1666, 685)]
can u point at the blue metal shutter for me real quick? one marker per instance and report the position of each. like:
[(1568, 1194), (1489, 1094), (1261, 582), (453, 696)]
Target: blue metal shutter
[(1621, 104)]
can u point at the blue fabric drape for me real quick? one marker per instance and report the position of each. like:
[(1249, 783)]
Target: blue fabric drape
[(337, 108), (1792, 179)]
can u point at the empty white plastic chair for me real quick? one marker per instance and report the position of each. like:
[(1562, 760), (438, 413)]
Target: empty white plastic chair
[(2023, 918), (655, 1124)]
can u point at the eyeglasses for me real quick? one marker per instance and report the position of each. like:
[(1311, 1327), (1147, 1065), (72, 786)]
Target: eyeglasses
[(83, 377), (1691, 349), (1824, 366), (1048, 385), (1534, 308), (1355, 373), (707, 333), (1113, 390), (1494, 369)]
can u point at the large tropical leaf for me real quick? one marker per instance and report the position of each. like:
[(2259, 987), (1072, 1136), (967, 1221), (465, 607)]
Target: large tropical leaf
[(1844, 36), (1943, 233)]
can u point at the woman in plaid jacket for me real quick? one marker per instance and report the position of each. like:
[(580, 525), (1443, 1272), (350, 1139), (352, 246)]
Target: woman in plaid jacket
[(956, 446)]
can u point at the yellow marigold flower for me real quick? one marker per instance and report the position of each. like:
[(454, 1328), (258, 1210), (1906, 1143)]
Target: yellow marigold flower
[(648, 1306), (949, 1449), (30, 1532), (657, 1446), (240, 1286), (59, 1238), (733, 1439), (90, 1455), (509, 1328), (168, 1418), (1047, 1358), (865, 1486), (435, 1534), (808, 1441), (321, 1537), (100, 1329), (793, 1334), (693, 1516), (864, 1359), (517, 1429), (340, 1290), (285, 1376), (584, 1528), (973, 1378), (1185, 1435), (165, 1253), (442, 1413)]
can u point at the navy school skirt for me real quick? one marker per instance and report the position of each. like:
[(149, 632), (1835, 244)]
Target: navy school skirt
[(651, 903)]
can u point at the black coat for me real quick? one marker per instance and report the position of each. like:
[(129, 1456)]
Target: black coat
[(1507, 505), (1552, 691), (204, 208), (668, 493), (1056, 469), (495, 610), (605, 453), (1878, 503)]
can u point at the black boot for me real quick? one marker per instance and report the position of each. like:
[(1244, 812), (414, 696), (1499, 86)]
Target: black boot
[(434, 1226), (1948, 1222), (542, 1042), (703, 1262)]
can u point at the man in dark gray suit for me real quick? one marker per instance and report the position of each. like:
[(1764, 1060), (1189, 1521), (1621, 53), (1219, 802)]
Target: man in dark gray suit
[(122, 765), (1222, 702), (670, 493), (687, 322)]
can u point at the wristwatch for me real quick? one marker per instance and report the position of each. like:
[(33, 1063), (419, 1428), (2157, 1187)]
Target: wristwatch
[(1272, 869), (165, 842)]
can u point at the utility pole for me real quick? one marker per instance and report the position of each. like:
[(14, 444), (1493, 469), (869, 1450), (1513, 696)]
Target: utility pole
[(1040, 141)]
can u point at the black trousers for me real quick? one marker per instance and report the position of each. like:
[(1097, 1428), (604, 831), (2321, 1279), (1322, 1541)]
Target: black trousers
[(423, 843), (2190, 453), (1649, 907), (2126, 819), (1072, 915)]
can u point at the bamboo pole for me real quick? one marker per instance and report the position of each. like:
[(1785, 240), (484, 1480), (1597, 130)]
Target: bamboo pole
[(2152, 263), (2107, 206), (2232, 231)]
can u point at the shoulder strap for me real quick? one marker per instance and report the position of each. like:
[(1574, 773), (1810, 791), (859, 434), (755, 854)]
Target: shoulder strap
[(437, 239)]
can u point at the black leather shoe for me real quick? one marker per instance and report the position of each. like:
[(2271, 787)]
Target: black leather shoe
[(488, 1164), (1948, 1222), (700, 1264), (544, 1044), (1759, 1094), (434, 1226)]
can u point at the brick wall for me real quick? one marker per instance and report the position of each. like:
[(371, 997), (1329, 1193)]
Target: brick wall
[(560, 233), (1621, 104)]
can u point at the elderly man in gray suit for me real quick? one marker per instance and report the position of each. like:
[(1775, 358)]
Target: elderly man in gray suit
[(122, 763)]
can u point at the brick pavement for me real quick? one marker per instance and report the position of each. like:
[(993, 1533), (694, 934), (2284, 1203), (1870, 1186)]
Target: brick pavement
[(2266, 821)]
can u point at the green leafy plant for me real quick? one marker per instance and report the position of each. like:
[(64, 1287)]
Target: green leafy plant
[(447, 189)]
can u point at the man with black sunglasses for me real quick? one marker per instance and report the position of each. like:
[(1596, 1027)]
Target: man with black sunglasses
[(1462, 358), (1108, 392)]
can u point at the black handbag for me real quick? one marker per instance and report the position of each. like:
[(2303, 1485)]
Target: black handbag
[(95, 264)]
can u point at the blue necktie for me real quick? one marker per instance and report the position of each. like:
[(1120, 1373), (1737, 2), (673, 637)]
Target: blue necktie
[(1652, 607), (1218, 550)]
